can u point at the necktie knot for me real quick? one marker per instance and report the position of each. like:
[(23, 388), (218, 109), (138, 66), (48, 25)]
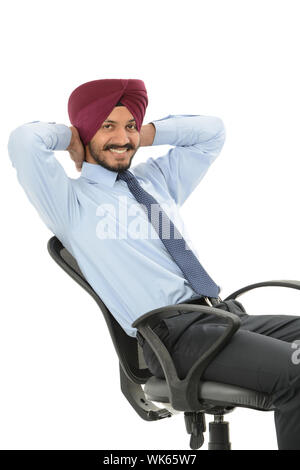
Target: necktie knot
[(125, 176)]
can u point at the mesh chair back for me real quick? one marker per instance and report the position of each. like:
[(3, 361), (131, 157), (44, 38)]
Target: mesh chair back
[(127, 347)]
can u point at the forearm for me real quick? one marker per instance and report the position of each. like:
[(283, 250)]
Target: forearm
[(147, 134), (189, 130), (45, 135)]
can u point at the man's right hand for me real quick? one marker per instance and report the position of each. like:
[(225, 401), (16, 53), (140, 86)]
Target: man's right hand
[(76, 149)]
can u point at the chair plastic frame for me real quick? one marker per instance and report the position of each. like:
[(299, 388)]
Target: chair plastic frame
[(184, 394), (281, 283), (130, 380)]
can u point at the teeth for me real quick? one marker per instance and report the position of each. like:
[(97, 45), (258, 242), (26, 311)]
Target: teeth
[(118, 151)]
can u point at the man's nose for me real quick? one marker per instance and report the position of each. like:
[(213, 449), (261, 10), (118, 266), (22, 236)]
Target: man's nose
[(121, 138)]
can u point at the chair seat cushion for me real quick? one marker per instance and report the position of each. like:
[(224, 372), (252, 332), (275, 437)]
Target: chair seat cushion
[(213, 393)]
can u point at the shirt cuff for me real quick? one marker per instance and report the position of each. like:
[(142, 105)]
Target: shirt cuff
[(64, 135), (165, 129)]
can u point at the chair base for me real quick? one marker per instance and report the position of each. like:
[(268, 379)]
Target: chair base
[(218, 431), (219, 434), (195, 425)]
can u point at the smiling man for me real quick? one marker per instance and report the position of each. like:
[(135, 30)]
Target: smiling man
[(116, 142), (131, 274), (115, 156)]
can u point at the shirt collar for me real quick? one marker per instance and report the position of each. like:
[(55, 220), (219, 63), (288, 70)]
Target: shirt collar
[(98, 174)]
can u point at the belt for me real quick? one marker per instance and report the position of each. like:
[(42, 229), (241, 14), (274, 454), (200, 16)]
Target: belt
[(211, 302)]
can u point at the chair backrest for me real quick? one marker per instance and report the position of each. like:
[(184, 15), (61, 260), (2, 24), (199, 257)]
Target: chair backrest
[(127, 347)]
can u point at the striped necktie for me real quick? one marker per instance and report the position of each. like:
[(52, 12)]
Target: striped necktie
[(177, 247)]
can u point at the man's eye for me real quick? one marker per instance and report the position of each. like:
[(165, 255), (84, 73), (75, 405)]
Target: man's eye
[(107, 125)]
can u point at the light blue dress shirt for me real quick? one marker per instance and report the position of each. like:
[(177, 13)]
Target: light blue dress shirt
[(100, 222)]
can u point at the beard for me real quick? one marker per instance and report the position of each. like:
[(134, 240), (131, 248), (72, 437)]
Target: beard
[(100, 158)]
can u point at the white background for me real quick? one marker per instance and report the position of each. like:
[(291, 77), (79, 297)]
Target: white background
[(238, 60)]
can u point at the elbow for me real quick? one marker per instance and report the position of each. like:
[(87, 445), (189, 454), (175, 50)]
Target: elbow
[(19, 141), (220, 131), (214, 128), (22, 132), (216, 132), (220, 127)]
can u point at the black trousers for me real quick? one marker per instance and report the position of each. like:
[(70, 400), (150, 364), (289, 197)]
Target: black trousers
[(263, 355)]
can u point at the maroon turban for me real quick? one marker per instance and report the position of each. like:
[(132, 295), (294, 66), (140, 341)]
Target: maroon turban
[(92, 102)]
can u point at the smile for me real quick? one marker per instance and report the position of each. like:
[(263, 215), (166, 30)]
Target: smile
[(118, 151)]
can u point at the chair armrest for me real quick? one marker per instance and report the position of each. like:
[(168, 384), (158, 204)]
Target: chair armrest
[(291, 284), (184, 393)]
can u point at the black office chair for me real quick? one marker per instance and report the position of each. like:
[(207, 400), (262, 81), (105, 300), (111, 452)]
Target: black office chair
[(191, 395)]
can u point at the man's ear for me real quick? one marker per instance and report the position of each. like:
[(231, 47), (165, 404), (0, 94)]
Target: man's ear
[(84, 146)]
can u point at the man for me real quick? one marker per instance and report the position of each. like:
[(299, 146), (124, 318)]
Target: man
[(125, 231)]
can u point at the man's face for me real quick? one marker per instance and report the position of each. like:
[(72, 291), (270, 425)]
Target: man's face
[(121, 134)]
